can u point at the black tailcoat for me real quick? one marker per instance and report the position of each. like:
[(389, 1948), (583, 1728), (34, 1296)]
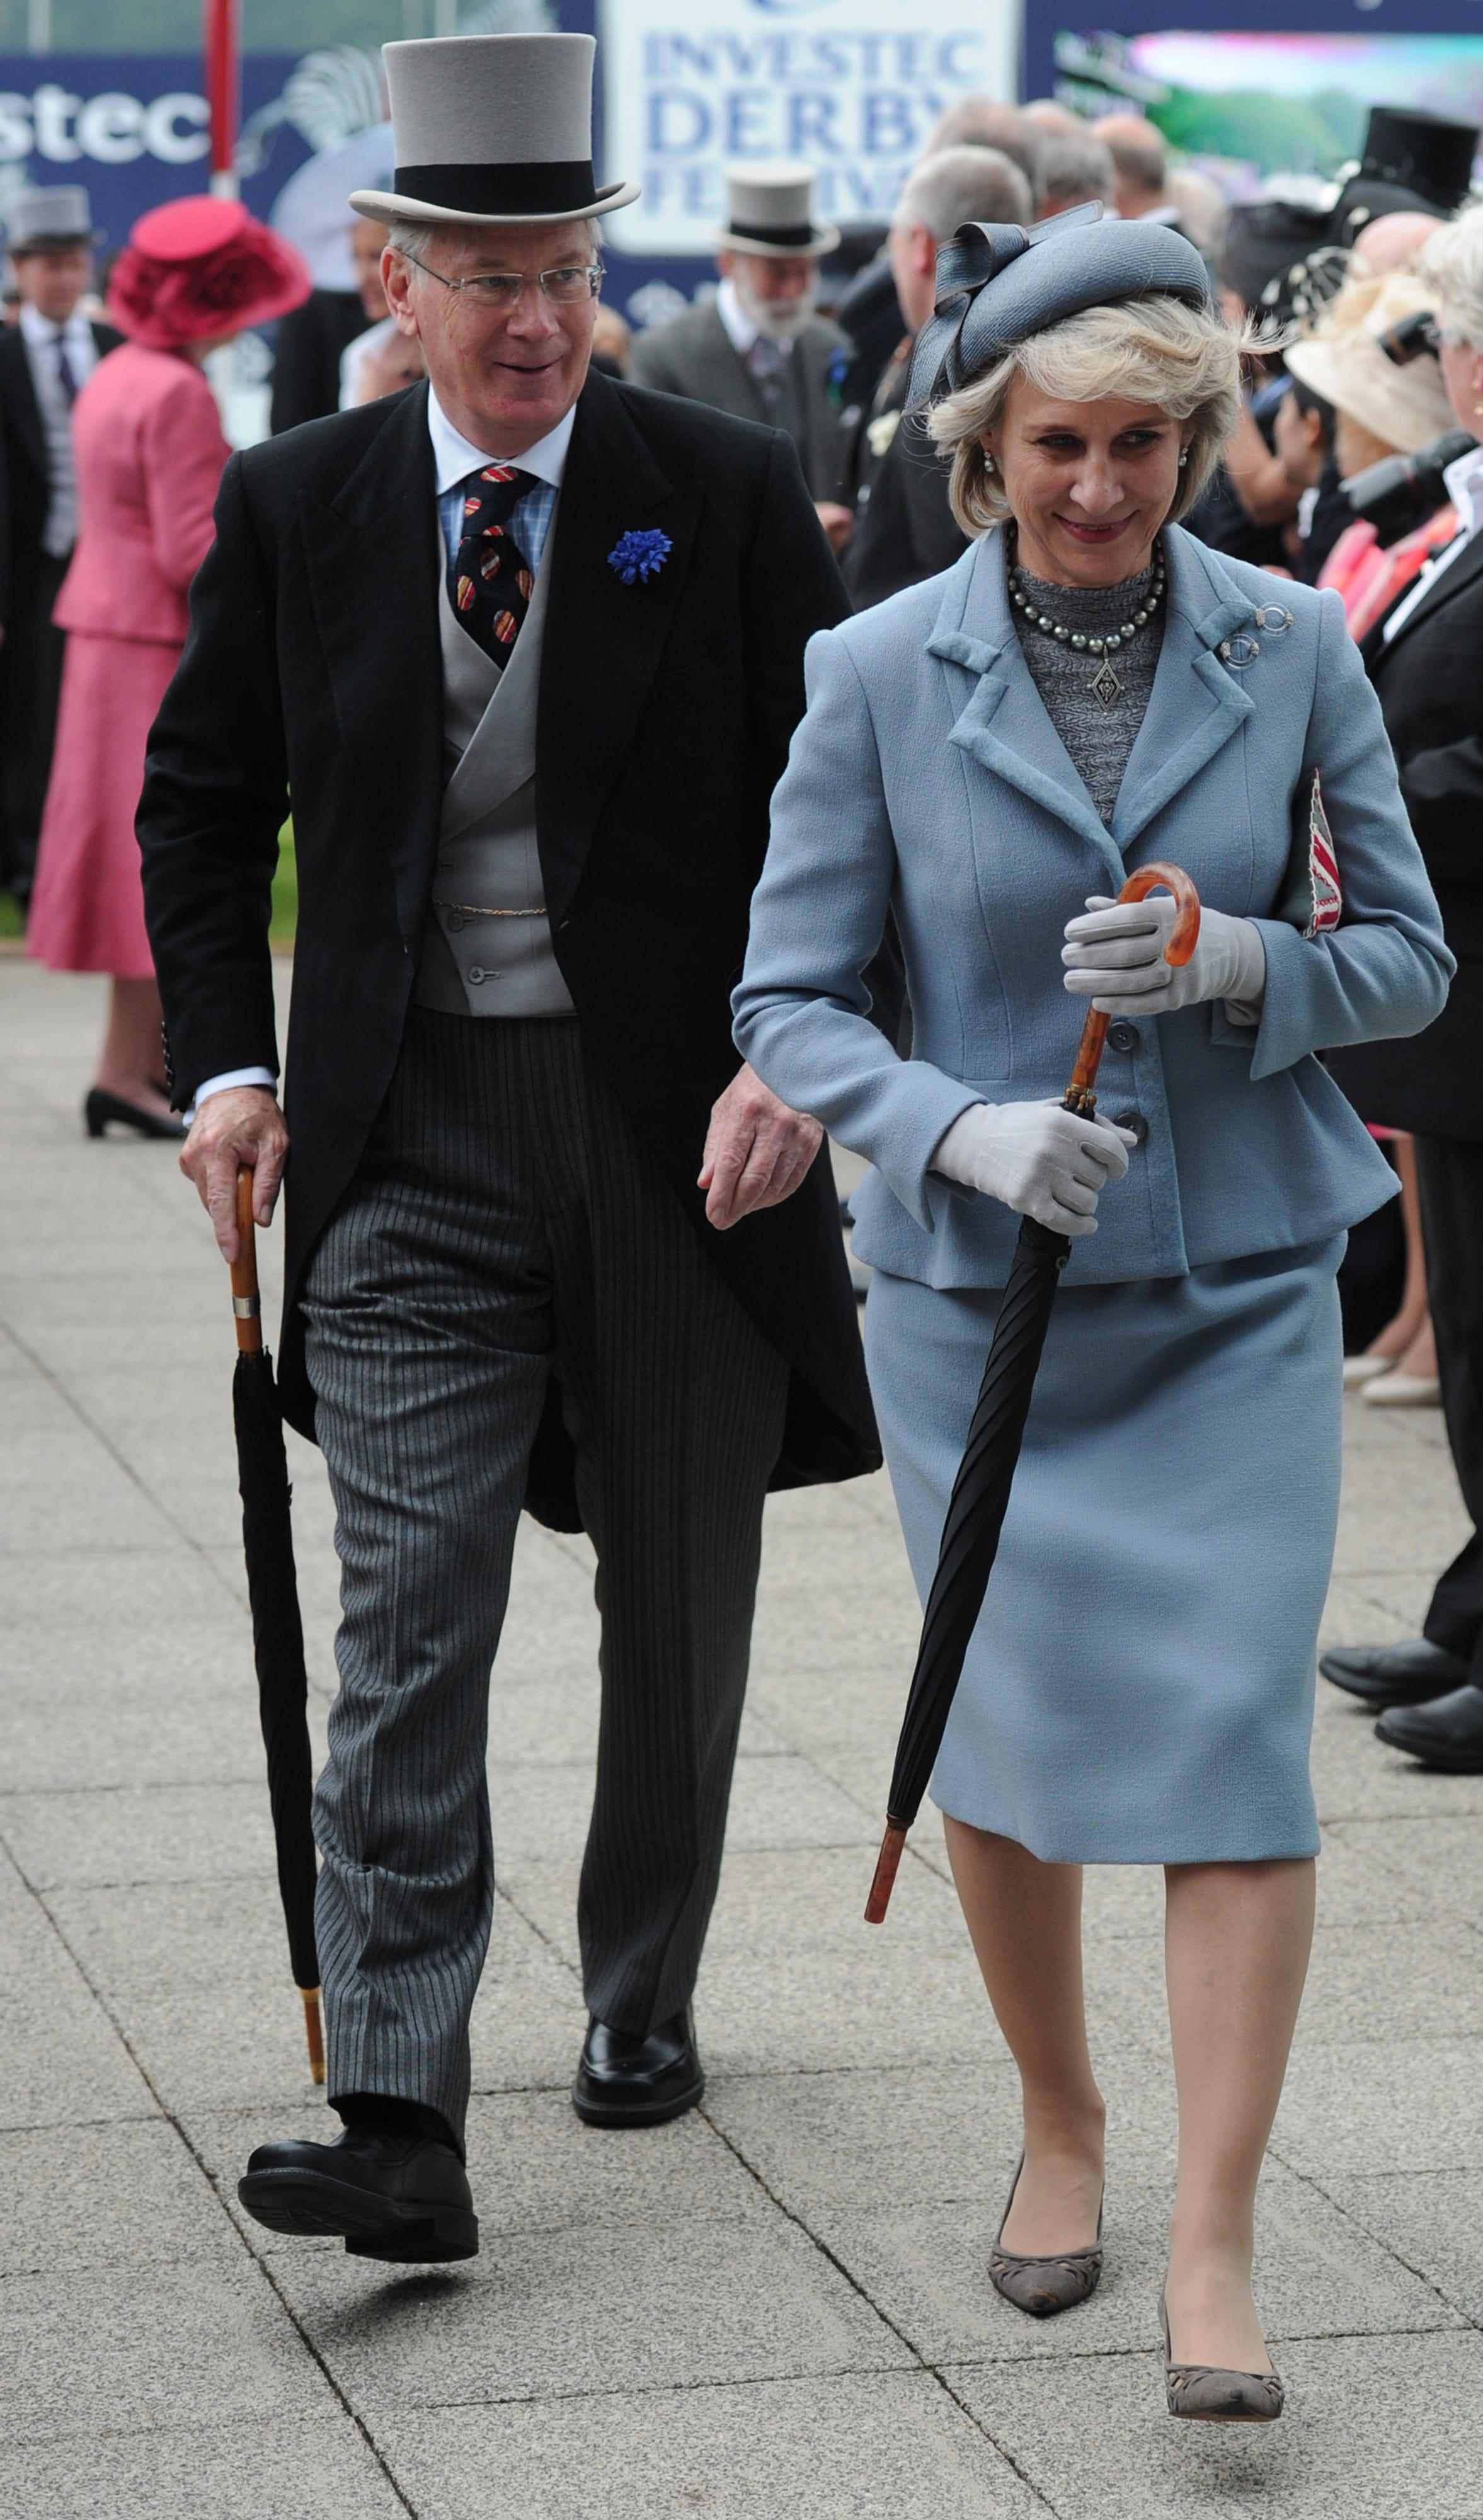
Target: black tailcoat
[(1430, 685), (26, 473), (312, 675)]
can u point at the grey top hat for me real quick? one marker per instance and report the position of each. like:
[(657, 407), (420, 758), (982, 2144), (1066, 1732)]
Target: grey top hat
[(770, 209), (493, 127), (997, 286), (59, 215)]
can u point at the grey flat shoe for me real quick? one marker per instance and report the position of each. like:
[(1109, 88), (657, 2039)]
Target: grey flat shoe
[(1042, 2286), (1215, 2397)]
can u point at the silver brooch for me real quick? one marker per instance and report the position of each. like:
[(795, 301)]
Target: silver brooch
[(1273, 619), (1239, 651)]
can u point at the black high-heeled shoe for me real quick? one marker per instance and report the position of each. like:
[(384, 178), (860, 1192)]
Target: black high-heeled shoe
[(99, 1108)]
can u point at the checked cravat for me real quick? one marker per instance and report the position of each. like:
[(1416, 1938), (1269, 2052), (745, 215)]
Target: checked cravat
[(489, 580)]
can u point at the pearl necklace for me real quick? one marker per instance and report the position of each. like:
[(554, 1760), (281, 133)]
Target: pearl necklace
[(1107, 684)]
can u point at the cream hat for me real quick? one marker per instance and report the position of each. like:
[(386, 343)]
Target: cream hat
[(770, 210), (1343, 361), (492, 127)]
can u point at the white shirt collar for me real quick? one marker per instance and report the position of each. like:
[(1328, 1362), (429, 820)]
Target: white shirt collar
[(455, 457), (739, 328), (1164, 214), (41, 332), (1464, 488)]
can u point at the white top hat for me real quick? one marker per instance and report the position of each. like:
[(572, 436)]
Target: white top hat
[(62, 214), (770, 209), (493, 127)]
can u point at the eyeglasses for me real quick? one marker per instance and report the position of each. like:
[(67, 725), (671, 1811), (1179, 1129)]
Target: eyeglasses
[(499, 292)]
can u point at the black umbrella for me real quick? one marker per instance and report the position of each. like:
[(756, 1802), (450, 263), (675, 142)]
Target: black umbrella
[(277, 1636), (986, 1473)]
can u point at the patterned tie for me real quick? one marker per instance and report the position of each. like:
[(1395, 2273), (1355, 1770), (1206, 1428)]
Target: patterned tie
[(490, 581), (64, 377)]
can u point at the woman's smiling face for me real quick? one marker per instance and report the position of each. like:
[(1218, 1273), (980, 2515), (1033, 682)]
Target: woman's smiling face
[(1090, 482)]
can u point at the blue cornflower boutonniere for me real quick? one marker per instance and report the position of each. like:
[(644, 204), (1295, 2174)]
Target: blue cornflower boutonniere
[(637, 557)]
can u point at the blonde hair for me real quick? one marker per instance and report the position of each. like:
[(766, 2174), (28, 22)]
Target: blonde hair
[(1153, 349)]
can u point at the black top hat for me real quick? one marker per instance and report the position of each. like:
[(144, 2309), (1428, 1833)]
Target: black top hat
[(1411, 161)]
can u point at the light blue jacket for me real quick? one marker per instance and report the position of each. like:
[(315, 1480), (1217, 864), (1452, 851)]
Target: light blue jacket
[(926, 778)]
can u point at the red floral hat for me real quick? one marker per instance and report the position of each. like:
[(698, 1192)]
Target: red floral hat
[(198, 267)]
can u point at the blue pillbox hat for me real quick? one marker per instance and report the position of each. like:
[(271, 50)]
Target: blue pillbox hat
[(997, 286)]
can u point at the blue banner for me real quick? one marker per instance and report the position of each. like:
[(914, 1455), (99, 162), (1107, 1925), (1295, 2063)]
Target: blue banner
[(133, 128)]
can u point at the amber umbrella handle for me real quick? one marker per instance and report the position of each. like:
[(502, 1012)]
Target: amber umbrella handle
[(246, 1301), (1156, 876)]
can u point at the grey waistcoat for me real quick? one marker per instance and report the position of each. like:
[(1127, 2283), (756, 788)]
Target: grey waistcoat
[(487, 858)]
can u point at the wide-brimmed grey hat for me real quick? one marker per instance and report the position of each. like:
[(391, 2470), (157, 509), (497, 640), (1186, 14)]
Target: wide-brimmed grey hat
[(493, 127), (58, 215), (770, 209), (997, 286)]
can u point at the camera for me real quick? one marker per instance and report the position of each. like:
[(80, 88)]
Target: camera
[(1416, 337), (1400, 493)]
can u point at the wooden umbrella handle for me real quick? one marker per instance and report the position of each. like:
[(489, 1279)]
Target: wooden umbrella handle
[(246, 1301), (1153, 877)]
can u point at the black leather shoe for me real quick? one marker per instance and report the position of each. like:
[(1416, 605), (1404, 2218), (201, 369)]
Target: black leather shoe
[(1404, 1675), (628, 2082), (1446, 1734), (388, 2187)]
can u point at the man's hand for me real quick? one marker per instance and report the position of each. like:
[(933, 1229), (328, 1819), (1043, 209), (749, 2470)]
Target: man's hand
[(240, 1125), (837, 523), (756, 1151)]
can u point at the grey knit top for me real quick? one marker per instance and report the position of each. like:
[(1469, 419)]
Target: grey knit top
[(1098, 740)]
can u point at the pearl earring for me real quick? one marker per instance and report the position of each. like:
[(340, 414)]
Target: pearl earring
[(988, 463), (1184, 459)]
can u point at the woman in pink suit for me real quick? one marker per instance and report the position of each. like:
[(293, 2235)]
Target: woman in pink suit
[(150, 454)]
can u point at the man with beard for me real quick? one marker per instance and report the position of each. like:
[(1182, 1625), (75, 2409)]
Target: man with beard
[(758, 349)]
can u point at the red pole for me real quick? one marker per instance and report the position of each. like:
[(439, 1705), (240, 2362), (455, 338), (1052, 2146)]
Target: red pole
[(223, 77)]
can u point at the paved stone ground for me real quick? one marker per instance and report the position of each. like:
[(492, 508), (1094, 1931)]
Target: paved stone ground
[(776, 2307)]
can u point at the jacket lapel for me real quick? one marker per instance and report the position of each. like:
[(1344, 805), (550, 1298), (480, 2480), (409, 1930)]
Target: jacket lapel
[(1003, 722), (1459, 573), (372, 557), (1196, 703), (1195, 706), (602, 638)]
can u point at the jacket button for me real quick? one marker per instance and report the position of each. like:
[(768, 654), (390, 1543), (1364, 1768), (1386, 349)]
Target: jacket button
[(1122, 1036), (1133, 1122), (477, 973)]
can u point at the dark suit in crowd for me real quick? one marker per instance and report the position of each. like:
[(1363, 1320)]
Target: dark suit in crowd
[(311, 342), (30, 581), (1431, 693), (694, 356), (898, 484), (500, 1278)]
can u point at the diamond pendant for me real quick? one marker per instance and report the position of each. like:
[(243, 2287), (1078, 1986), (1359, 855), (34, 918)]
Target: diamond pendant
[(1105, 683)]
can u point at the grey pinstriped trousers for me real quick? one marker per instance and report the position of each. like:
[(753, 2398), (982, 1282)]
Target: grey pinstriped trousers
[(506, 1219)]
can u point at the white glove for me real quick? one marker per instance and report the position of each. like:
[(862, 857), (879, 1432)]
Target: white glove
[(1128, 939), (1041, 1160)]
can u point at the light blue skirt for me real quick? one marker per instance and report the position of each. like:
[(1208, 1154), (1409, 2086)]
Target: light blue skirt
[(1139, 1688)]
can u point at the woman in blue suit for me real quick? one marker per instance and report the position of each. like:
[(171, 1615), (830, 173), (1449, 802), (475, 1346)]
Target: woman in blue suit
[(986, 757)]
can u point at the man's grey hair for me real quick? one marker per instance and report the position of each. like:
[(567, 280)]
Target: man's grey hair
[(955, 185), (1075, 167), (980, 124), (1140, 156), (415, 237)]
